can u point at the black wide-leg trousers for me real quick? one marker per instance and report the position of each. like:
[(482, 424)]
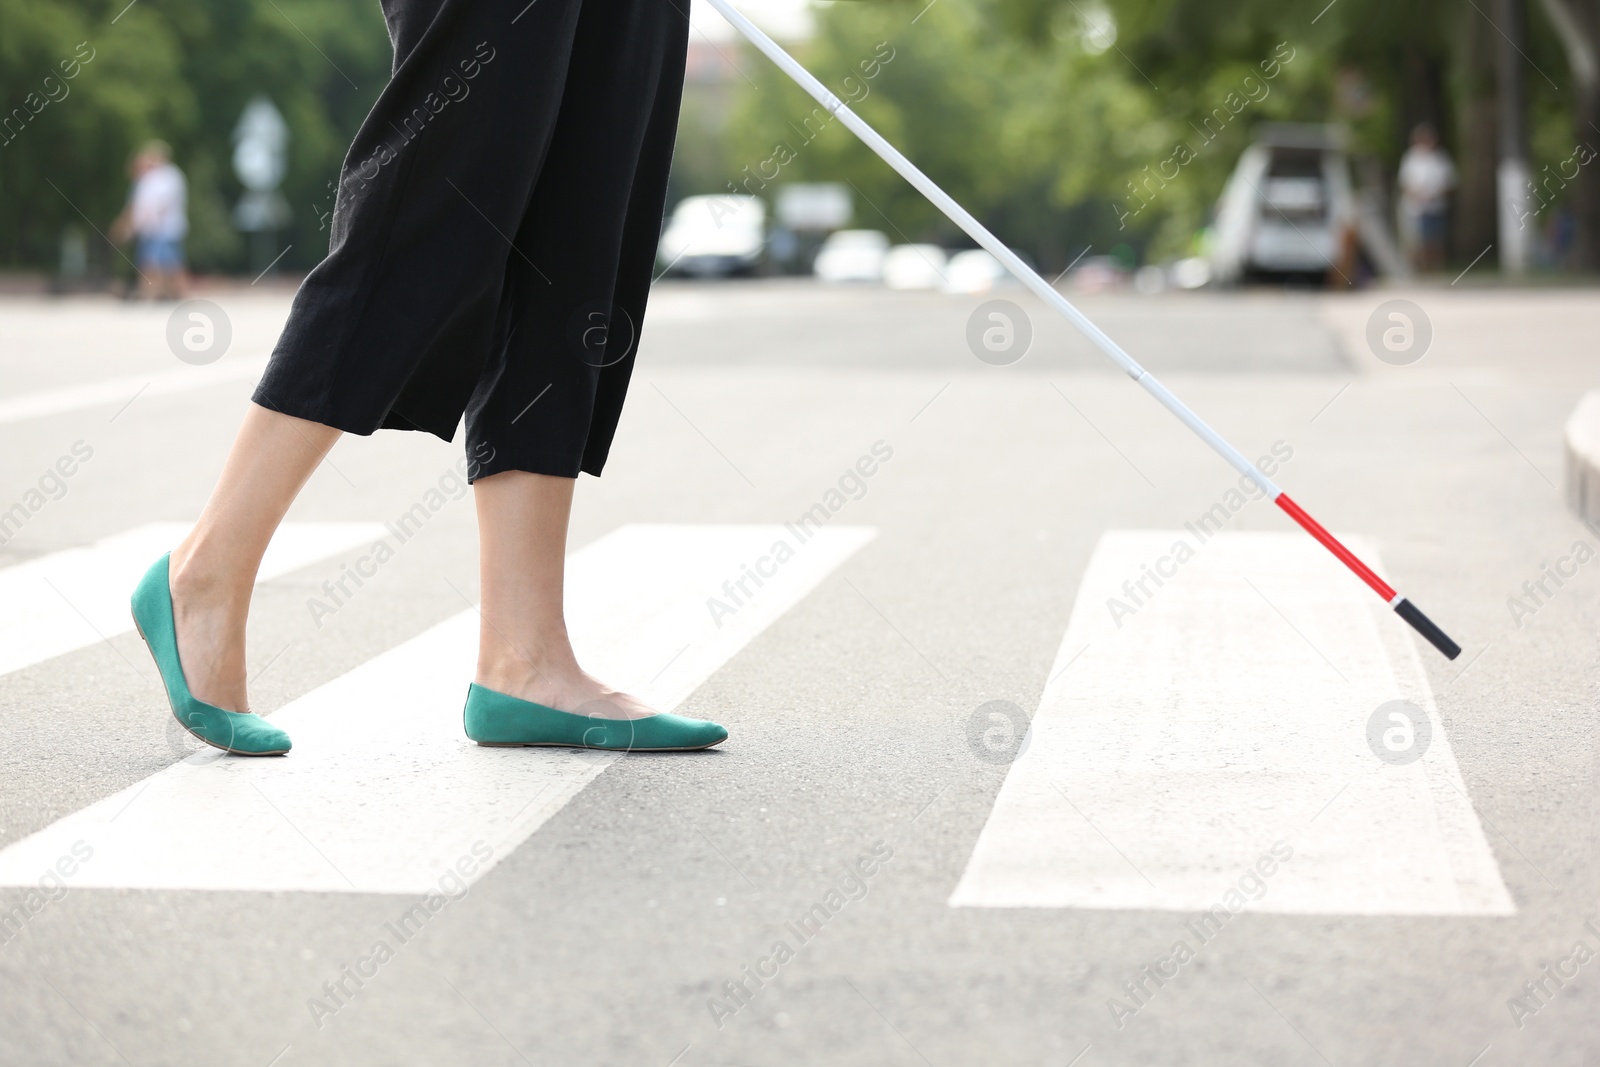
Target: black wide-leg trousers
[(494, 232)]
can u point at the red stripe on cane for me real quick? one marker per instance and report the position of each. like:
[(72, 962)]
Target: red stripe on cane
[(1314, 528)]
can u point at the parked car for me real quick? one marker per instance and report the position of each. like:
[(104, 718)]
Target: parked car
[(1290, 206), (1096, 274), (1278, 211), (914, 267), (852, 256), (711, 236), (973, 271)]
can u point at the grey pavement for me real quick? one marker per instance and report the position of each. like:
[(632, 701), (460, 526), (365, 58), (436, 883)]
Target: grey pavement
[(601, 939)]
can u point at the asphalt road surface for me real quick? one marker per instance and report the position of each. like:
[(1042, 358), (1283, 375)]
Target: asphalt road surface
[(1254, 820)]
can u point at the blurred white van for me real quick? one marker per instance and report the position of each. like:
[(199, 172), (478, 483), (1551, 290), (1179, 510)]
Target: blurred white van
[(852, 256), (714, 235), (973, 271), (1289, 205), (914, 267)]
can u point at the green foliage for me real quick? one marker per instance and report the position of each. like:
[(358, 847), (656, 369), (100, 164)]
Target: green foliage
[(181, 71), (1062, 123), (1030, 114), (971, 103)]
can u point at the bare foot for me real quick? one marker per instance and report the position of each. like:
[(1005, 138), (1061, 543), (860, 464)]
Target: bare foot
[(563, 686), (209, 619)]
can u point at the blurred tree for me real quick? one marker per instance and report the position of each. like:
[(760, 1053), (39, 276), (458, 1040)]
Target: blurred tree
[(1020, 126), (1061, 123), (1577, 24), (181, 71), (1064, 123), (1477, 135)]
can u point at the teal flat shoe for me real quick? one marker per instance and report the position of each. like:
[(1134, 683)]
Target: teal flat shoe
[(498, 720), (240, 732)]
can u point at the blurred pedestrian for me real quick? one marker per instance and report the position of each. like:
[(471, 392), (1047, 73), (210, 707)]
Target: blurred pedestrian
[(157, 218), (1426, 178)]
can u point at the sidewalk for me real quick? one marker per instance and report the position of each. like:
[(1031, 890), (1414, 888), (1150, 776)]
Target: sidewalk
[(1582, 439)]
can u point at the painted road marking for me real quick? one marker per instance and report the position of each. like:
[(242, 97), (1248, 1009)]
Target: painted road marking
[(383, 793), (69, 600), (120, 391), (1213, 722)]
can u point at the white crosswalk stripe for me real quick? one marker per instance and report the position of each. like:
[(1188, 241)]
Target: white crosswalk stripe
[(382, 792), (1225, 711), (68, 600), (122, 390)]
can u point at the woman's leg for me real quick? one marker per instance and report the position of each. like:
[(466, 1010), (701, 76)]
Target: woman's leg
[(523, 649), (213, 571)]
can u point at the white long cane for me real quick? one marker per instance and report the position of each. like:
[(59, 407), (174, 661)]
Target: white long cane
[(1046, 292)]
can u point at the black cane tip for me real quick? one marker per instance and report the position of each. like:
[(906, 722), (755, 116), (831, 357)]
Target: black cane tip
[(1425, 626)]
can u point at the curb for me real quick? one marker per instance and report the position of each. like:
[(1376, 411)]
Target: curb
[(1582, 441)]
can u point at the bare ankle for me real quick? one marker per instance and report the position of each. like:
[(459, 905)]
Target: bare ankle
[(512, 675), (194, 578)]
